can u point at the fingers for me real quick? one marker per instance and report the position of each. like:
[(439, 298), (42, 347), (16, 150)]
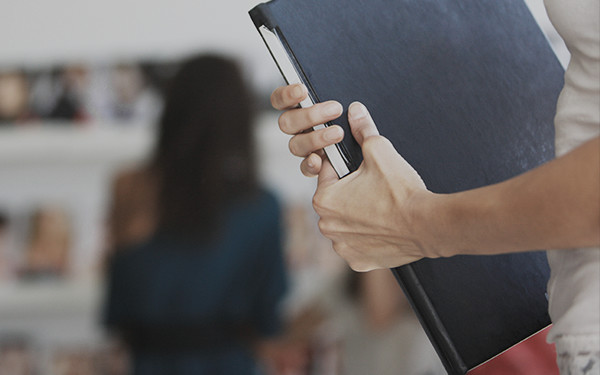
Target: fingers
[(301, 119), (311, 165), (286, 97), (305, 144), (361, 123)]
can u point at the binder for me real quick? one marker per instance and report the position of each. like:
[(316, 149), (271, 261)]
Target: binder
[(466, 91)]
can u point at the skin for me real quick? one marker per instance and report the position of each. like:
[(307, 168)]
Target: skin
[(383, 216)]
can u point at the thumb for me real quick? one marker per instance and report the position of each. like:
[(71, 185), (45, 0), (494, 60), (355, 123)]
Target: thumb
[(379, 152), (361, 123)]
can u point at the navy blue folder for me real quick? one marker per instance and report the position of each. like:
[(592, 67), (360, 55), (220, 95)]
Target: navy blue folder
[(466, 90)]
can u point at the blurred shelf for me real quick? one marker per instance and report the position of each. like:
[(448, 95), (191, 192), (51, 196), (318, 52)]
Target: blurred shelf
[(50, 315), (72, 143), (36, 299)]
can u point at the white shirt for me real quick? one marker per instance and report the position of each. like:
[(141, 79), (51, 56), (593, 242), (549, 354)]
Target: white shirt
[(574, 285)]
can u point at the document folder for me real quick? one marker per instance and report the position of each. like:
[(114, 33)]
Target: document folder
[(466, 91)]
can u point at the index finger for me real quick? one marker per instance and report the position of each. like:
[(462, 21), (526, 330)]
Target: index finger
[(286, 97)]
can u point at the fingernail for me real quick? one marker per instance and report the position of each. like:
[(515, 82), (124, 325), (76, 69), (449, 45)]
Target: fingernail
[(333, 133), (298, 91), (332, 109), (357, 111), (309, 163)]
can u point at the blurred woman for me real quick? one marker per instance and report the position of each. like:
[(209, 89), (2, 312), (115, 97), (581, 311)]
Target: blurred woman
[(196, 270)]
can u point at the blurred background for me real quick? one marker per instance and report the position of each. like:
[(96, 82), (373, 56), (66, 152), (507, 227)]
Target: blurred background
[(82, 86)]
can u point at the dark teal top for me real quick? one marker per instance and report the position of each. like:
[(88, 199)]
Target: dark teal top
[(192, 307)]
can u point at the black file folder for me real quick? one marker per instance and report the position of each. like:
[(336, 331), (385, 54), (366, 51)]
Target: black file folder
[(466, 90)]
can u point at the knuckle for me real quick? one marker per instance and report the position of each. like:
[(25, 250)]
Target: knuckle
[(354, 263), (289, 94), (374, 143), (354, 260), (339, 248), (313, 116), (318, 203), (311, 141), (315, 204), (325, 228), (359, 266)]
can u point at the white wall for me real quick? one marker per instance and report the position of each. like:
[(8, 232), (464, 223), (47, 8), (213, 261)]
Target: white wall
[(41, 32)]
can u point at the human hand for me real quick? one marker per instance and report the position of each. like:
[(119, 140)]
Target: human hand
[(371, 215), (298, 122)]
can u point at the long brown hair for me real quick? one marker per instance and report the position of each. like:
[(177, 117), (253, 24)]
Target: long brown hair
[(204, 157)]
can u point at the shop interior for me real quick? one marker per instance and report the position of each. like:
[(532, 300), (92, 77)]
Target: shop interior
[(82, 87)]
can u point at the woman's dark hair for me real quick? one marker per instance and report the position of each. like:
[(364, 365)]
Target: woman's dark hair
[(204, 156)]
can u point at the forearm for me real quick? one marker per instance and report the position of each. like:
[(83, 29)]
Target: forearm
[(554, 206)]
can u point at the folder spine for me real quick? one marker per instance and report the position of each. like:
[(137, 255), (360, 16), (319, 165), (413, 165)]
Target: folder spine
[(432, 324)]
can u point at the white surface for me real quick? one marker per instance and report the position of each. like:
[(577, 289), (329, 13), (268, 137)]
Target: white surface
[(32, 301), (69, 144), (46, 32)]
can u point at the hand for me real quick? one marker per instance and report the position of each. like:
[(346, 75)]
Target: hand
[(370, 214), (299, 122)]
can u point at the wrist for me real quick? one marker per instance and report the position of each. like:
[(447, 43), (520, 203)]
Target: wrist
[(432, 224)]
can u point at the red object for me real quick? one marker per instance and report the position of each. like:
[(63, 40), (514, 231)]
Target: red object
[(533, 356)]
